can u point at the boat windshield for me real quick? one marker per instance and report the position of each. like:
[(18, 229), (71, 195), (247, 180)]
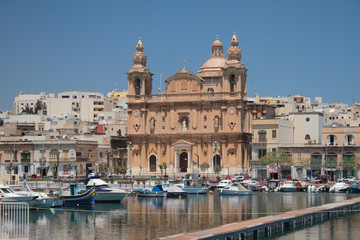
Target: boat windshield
[(6, 190)]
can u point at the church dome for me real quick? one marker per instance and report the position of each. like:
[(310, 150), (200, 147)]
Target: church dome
[(234, 52), (216, 63), (140, 57)]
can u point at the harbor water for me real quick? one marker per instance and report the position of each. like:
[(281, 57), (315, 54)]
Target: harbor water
[(151, 218)]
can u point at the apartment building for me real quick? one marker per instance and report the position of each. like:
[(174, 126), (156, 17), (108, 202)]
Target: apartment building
[(86, 106)]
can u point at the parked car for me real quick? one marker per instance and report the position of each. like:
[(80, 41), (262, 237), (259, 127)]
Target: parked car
[(322, 178), (91, 175), (238, 178), (154, 177)]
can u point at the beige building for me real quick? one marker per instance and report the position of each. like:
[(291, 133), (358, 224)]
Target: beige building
[(268, 135), (86, 106), (201, 118), (28, 100)]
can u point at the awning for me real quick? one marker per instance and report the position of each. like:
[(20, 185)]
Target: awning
[(271, 170)]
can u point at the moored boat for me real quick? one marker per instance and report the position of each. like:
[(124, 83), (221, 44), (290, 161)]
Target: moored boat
[(155, 191), (192, 187), (339, 187), (79, 195), (105, 193), (354, 188), (175, 191), (288, 186), (234, 189), (7, 194), (224, 183)]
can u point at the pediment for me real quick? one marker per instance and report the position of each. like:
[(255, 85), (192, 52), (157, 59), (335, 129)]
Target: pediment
[(182, 143)]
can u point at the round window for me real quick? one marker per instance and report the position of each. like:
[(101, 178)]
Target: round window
[(308, 119)]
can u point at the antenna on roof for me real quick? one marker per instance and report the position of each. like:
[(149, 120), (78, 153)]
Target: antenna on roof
[(160, 82)]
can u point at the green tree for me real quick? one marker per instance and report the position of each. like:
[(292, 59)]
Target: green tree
[(352, 164), (38, 106), (276, 160), (204, 167), (123, 171), (218, 168), (161, 169), (1, 122)]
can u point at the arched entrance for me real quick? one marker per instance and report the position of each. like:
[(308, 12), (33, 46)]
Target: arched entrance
[(217, 163), (152, 163), (184, 162)]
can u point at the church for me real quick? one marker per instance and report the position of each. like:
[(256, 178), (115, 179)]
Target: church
[(200, 119)]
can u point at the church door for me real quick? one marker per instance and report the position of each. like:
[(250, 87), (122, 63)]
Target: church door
[(217, 162), (184, 161), (152, 163)]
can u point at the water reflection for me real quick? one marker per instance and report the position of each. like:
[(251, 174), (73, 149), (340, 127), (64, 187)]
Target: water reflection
[(150, 218)]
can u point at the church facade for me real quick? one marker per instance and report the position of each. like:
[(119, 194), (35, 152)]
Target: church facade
[(201, 119)]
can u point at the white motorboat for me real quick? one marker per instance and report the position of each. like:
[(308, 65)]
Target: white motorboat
[(339, 187), (42, 199), (7, 194), (105, 193), (288, 186), (251, 185), (234, 189), (174, 191), (224, 184)]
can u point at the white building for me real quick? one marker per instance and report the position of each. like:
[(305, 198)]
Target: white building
[(24, 100), (308, 126), (87, 106)]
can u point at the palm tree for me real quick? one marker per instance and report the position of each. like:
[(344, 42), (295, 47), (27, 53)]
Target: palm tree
[(161, 169)]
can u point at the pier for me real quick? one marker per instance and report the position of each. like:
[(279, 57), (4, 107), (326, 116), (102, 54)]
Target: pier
[(271, 225)]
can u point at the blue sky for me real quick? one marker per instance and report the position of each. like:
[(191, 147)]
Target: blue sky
[(310, 48)]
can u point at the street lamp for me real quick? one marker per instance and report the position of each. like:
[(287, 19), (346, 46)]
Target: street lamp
[(198, 166), (130, 147), (215, 146), (228, 169), (165, 166)]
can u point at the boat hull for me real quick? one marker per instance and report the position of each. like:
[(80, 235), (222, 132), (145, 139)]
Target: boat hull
[(109, 196), (233, 192), (87, 198), (151, 194), (196, 190), (176, 194), (288, 189)]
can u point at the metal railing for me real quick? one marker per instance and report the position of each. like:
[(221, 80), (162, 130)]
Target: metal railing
[(14, 220)]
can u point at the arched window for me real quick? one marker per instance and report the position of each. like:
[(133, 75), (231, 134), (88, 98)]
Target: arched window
[(331, 140), (137, 86), (349, 139), (232, 83), (307, 137), (152, 163)]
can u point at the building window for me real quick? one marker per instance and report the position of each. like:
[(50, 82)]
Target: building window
[(53, 155), (262, 136), (262, 152), (273, 133), (307, 137), (232, 83), (66, 155), (349, 140), (308, 119), (66, 169), (331, 140)]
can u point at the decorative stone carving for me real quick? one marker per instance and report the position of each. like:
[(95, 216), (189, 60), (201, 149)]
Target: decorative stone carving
[(234, 52), (216, 122), (184, 126), (152, 123)]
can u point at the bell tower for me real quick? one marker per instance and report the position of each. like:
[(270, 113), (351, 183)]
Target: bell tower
[(139, 76)]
